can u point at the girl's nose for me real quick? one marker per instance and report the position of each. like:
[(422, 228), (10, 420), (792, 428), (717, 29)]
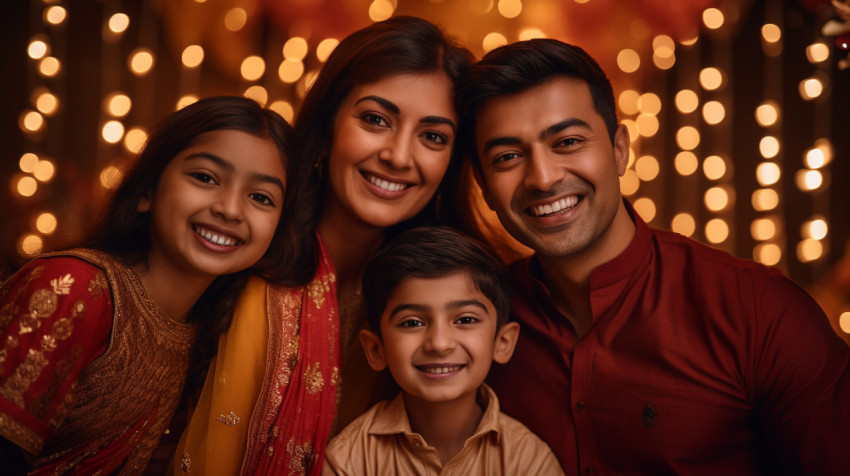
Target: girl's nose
[(228, 205)]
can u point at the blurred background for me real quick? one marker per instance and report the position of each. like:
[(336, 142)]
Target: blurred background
[(739, 110)]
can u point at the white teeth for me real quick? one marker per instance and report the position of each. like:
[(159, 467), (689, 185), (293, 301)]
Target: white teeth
[(381, 183), (214, 238), (440, 370), (556, 206)]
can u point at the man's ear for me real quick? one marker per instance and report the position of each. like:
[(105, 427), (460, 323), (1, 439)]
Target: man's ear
[(505, 342), (479, 179), (621, 148), (144, 204), (374, 349)]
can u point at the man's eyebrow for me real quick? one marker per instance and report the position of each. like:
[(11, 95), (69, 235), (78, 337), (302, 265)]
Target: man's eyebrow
[(566, 123), (227, 165), (499, 141), (386, 103)]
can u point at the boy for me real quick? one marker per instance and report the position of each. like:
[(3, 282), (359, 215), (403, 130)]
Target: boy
[(438, 308)]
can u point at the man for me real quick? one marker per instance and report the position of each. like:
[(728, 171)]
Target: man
[(640, 351)]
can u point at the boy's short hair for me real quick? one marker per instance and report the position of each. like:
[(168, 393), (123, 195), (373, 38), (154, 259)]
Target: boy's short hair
[(428, 253)]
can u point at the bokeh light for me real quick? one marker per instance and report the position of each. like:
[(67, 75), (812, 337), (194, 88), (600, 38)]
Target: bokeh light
[(119, 22), (687, 101), (763, 229), (809, 250), (688, 138), (258, 94), (235, 19), (30, 245), (117, 104), (767, 113), (769, 147), (493, 40), (712, 18), (44, 171), (290, 70), (771, 33), (49, 66), (380, 10), (252, 68), (765, 199), (26, 186), (713, 112), (645, 208), (628, 60), (716, 230), (628, 101), (112, 132), (817, 52), (110, 177), (647, 168), (46, 223), (710, 79), (714, 167), (135, 139), (767, 173), (295, 48), (808, 180), (684, 224), (28, 162), (141, 61), (768, 254), (686, 163), (325, 48), (716, 199), (193, 56)]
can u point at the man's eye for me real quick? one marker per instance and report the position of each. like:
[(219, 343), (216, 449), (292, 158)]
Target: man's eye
[(569, 142), (500, 159)]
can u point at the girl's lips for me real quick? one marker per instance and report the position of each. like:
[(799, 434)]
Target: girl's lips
[(217, 237)]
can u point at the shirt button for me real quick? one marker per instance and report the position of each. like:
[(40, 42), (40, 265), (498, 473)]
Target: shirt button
[(417, 443), (580, 405), (590, 469)]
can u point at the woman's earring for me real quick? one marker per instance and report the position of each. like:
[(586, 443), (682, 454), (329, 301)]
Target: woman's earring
[(319, 165)]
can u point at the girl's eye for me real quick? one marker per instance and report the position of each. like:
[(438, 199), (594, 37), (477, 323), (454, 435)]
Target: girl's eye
[(435, 137), (262, 199), (411, 323), (374, 119), (202, 177), (467, 320)]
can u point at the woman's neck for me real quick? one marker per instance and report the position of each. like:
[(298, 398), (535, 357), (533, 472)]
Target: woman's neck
[(350, 244), (444, 425)]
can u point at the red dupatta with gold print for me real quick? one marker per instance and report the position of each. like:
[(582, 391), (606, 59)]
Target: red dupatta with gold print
[(292, 421)]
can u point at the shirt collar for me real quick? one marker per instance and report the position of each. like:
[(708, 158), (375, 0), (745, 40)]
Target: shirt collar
[(393, 419)]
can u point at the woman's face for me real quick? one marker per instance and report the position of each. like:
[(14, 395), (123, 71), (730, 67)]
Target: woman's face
[(392, 142)]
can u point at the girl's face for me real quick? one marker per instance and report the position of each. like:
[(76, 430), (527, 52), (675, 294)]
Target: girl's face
[(217, 204), (392, 142)]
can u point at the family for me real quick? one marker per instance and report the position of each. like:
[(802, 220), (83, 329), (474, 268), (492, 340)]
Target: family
[(316, 299)]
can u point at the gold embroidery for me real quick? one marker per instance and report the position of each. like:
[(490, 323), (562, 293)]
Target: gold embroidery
[(98, 285), (20, 435), (301, 456), (43, 303), (316, 290), (275, 431), (185, 463), (62, 285), (62, 328), (231, 419), (313, 379), (24, 375), (335, 376)]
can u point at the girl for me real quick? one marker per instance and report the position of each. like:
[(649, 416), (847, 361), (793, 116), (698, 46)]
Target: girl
[(96, 342), (379, 125)]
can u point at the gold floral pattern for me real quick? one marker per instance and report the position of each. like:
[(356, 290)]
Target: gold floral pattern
[(313, 378), (185, 463), (231, 419), (301, 456), (62, 284), (98, 286)]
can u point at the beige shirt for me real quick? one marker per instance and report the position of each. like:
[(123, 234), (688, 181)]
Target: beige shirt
[(381, 442)]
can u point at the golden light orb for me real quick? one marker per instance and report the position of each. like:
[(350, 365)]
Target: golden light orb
[(713, 112), (628, 60), (135, 139), (710, 78), (771, 33), (647, 168), (110, 177), (844, 322), (113, 131), (117, 104), (44, 170), (769, 147), (118, 23), (712, 18), (185, 101), (258, 94), (767, 113), (649, 103), (686, 163), (141, 61), (493, 40), (325, 48), (509, 8), (811, 88), (687, 138), (290, 71), (716, 199), (380, 10), (647, 125), (28, 162), (193, 56), (687, 101), (31, 121), (37, 49), (808, 180), (252, 68), (763, 229), (295, 48), (815, 158), (49, 66), (531, 34), (235, 19), (55, 15), (645, 208), (26, 186), (767, 173), (768, 254), (46, 223), (683, 224), (30, 245), (284, 109), (809, 250), (765, 199), (816, 229), (46, 103), (629, 183), (817, 52), (628, 101), (714, 167), (716, 230)]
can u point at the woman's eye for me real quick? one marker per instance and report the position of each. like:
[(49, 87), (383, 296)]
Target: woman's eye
[(435, 137), (202, 177), (262, 198), (411, 323), (374, 119)]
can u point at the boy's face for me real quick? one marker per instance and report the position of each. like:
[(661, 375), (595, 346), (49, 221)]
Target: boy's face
[(439, 338)]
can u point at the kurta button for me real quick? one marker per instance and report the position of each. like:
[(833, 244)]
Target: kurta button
[(590, 469), (417, 443), (580, 405)]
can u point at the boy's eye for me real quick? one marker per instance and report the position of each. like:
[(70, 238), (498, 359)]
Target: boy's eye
[(467, 320), (411, 323), (262, 198)]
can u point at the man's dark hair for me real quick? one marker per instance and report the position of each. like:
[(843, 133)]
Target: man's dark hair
[(520, 66), (428, 253)]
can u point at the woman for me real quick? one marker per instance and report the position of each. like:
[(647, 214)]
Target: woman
[(379, 125)]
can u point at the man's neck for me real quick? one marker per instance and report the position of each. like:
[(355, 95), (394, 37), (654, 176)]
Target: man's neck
[(444, 425), (568, 277)]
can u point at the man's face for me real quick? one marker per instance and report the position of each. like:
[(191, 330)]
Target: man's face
[(550, 171)]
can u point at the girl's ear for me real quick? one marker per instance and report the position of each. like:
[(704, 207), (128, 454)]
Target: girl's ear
[(505, 342), (144, 204), (374, 349)]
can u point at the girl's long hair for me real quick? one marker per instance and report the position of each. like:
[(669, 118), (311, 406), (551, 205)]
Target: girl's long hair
[(125, 234)]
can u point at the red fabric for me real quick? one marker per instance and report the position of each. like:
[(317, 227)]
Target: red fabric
[(299, 435), (696, 363), (39, 363)]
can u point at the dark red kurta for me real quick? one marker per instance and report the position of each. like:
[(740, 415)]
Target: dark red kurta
[(696, 363)]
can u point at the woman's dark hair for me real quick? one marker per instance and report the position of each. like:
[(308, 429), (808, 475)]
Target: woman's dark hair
[(429, 253), (399, 45), (125, 233)]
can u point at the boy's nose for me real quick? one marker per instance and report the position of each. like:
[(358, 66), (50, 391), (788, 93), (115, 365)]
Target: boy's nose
[(439, 340)]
